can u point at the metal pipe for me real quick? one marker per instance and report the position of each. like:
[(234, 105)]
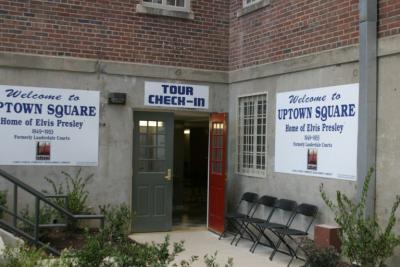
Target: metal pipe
[(15, 205), (37, 219), (367, 119)]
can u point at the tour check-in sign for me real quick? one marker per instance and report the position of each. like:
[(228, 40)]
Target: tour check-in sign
[(162, 94)]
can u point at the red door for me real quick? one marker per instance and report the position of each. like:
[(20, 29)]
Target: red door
[(217, 172)]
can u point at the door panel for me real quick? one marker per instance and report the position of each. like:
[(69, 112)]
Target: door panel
[(152, 171), (217, 172)]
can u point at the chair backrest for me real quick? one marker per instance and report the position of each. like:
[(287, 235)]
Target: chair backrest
[(251, 199), (307, 210), (288, 206), (267, 202)]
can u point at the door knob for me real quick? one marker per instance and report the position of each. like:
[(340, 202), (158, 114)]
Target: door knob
[(168, 177)]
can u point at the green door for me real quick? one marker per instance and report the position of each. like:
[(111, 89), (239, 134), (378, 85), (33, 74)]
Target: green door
[(152, 171)]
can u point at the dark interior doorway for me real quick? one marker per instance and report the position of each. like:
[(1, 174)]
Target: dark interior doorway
[(190, 172)]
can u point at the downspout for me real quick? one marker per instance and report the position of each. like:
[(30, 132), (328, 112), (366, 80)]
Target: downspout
[(367, 120)]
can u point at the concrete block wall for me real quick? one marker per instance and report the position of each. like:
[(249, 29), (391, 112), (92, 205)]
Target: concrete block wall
[(333, 67), (303, 189), (388, 142), (112, 182)]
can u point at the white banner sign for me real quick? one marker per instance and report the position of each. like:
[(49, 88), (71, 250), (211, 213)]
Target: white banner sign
[(316, 132), (46, 126), (175, 95)]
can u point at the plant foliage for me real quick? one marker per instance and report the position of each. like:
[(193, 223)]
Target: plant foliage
[(117, 221), (23, 256), (47, 215), (111, 247), (3, 202), (364, 241), (74, 186), (318, 257)]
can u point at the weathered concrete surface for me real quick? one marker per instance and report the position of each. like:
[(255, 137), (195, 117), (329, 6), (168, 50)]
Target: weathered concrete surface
[(112, 183), (331, 68), (200, 242), (26, 61), (296, 187), (113, 177), (388, 146)]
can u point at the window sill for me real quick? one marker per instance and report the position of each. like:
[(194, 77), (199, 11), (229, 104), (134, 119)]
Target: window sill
[(159, 11), (252, 8)]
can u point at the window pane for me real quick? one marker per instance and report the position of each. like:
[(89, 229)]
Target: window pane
[(180, 3), (161, 153), (161, 127), (252, 135), (142, 126), (151, 140), (161, 140)]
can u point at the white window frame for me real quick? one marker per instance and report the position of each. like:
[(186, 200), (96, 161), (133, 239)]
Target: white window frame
[(253, 172), (164, 5), (245, 4)]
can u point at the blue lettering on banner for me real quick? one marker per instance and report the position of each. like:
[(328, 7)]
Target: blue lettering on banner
[(176, 95)]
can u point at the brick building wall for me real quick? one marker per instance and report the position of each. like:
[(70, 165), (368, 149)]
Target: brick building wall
[(113, 30), (215, 40), (389, 17), (292, 28)]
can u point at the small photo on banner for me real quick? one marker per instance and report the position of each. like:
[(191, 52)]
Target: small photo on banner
[(43, 150)]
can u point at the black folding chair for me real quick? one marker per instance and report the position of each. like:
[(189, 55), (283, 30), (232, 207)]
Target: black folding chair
[(304, 210), (247, 203), (285, 206), (266, 202)]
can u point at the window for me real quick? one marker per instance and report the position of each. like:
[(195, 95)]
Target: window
[(251, 141), (249, 2), (169, 8), (250, 6), (169, 4)]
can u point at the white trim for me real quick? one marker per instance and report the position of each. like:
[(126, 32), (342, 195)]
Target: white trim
[(245, 4), (164, 5), (237, 135)]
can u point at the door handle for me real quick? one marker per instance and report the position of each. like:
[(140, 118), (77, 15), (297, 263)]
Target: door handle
[(168, 177)]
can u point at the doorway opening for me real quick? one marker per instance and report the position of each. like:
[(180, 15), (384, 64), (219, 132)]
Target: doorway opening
[(190, 186)]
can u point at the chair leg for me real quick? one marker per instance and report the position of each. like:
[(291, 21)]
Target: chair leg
[(243, 230), (292, 252), (275, 249), (291, 260), (222, 235), (258, 238)]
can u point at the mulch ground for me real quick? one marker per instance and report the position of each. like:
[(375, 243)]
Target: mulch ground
[(61, 239)]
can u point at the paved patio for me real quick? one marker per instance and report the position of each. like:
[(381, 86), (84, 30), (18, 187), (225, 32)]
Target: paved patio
[(199, 242)]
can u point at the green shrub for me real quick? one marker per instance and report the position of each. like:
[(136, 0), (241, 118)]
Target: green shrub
[(363, 240), (24, 256), (117, 221), (3, 202), (318, 257), (210, 261), (47, 215), (74, 187)]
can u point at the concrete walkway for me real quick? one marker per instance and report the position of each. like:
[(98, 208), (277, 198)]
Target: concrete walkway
[(200, 242)]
